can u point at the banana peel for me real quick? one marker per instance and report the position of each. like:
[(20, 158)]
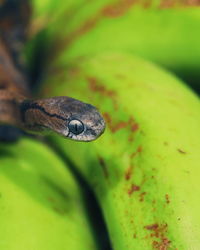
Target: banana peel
[(41, 204), (145, 169), (161, 31)]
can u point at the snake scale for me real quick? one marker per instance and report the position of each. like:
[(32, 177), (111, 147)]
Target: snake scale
[(66, 116)]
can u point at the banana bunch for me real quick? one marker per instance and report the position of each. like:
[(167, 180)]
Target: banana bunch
[(41, 204), (144, 170)]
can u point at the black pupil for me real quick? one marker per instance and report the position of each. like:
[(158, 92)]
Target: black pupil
[(76, 127)]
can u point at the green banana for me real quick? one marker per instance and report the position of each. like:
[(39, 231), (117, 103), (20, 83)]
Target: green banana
[(146, 164), (144, 170), (40, 202), (165, 34)]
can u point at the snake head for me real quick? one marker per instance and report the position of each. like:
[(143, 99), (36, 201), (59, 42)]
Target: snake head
[(64, 115), (83, 121)]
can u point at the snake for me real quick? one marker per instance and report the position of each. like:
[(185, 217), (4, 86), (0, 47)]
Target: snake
[(62, 115)]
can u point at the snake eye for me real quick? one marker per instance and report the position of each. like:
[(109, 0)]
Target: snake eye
[(76, 127)]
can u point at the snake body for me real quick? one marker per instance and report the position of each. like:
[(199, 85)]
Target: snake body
[(66, 116)]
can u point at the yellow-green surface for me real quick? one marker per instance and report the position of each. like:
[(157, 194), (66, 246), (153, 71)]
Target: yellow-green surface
[(145, 168), (41, 205), (163, 31)]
